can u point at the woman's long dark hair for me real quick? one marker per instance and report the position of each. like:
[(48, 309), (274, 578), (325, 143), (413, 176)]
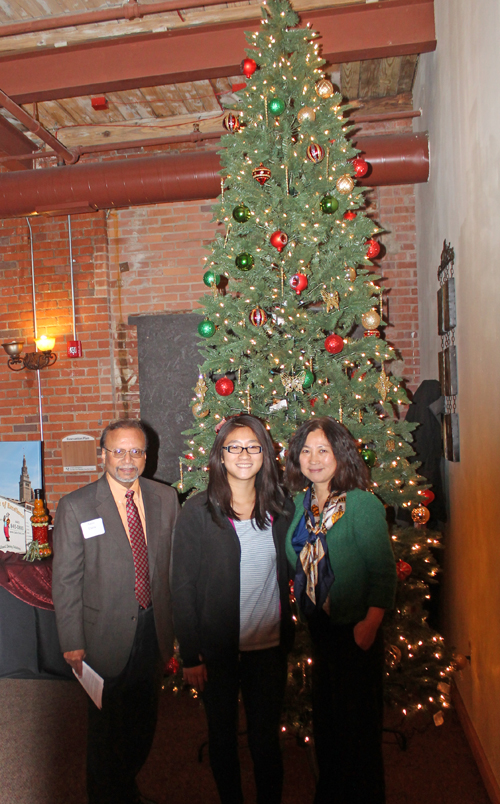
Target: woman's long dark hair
[(269, 496), (351, 472)]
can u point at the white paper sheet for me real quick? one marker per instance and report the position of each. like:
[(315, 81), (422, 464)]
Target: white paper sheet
[(92, 683)]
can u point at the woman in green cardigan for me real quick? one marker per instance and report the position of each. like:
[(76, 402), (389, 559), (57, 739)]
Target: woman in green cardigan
[(345, 579)]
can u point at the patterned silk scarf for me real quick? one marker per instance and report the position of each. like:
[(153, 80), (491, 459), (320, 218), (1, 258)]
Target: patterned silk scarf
[(314, 575)]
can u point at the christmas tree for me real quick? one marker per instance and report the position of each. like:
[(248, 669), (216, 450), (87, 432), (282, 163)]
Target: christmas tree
[(290, 326)]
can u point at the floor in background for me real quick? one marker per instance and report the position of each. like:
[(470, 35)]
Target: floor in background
[(42, 755)]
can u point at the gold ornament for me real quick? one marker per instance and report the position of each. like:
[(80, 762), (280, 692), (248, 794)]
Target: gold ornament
[(306, 114), (200, 390), (350, 273), (324, 88), (392, 655), (331, 298), (293, 382), (370, 320), (390, 445), (420, 515), (345, 184), (460, 661), (383, 385)]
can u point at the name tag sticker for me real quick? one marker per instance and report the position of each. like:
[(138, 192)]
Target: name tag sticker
[(94, 527)]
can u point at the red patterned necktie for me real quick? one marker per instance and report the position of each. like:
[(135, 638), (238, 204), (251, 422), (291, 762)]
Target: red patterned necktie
[(139, 552)]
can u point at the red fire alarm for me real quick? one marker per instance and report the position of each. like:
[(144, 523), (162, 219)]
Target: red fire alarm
[(100, 103), (75, 349)]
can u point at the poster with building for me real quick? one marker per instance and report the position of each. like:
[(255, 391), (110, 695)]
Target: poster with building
[(20, 475)]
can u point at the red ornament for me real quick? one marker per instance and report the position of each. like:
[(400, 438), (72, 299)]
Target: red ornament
[(426, 496), (172, 666), (249, 66), (279, 240), (298, 282), (231, 122), (334, 344), (349, 215), (261, 174), (224, 386), (258, 317), (315, 153), (189, 457), (360, 167), (403, 570), (373, 249)]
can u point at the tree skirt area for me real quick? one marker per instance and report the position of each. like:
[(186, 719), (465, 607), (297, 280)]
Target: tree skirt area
[(42, 754)]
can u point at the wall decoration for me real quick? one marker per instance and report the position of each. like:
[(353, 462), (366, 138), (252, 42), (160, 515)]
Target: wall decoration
[(448, 373), (79, 453), (20, 475)]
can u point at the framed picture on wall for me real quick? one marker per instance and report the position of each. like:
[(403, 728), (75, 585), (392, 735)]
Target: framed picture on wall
[(451, 442), (20, 475), (447, 308), (448, 374)]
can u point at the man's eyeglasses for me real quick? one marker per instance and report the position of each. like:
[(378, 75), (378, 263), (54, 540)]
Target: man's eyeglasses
[(120, 453), (236, 449)]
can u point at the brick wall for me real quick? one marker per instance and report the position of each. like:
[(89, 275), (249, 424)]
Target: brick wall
[(139, 261)]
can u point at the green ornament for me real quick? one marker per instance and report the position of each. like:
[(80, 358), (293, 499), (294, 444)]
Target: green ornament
[(329, 204), (308, 380), (206, 328), (210, 278), (276, 106), (244, 261), (369, 457), (241, 213)]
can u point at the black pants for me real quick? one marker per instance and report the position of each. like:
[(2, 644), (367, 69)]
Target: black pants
[(120, 734), (347, 694), (261, 675)]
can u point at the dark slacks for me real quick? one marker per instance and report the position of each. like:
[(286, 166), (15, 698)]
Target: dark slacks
[(261, 676), (347, 695), (120, 734)]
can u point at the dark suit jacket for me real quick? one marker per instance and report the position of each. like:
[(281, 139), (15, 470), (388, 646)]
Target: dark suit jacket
[(93, 579)]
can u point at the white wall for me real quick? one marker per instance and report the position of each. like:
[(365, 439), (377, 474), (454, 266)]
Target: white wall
[(458, 89)]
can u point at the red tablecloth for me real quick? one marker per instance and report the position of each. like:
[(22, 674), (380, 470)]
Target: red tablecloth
[(30, 581)]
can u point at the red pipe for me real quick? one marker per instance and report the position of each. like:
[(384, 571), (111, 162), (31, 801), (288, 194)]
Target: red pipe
[(35, 127), (396, 159), (133, 10)]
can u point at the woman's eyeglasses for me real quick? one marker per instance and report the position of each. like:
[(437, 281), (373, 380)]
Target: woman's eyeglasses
[(236, 449)]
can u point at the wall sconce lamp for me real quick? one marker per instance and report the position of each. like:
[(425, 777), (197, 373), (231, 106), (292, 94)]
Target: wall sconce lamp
[(34, 361)]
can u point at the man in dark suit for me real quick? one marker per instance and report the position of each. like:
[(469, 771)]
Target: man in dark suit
[(112, 544)]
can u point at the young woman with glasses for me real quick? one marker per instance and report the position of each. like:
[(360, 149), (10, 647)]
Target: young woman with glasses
[(231, 603)]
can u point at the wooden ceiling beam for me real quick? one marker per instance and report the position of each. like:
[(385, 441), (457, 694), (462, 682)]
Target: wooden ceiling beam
[(348, 33)]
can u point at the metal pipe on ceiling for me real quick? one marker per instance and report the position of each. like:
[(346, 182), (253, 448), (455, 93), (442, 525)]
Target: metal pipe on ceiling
[(195, 136), (190, 176), (131, 11), (36, 128)]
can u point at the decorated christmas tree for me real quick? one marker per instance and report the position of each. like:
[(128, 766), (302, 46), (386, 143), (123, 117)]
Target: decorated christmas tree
[(291, 324)]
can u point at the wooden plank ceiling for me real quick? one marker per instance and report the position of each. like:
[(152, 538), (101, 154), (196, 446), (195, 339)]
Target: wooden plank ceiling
[(173, 108)]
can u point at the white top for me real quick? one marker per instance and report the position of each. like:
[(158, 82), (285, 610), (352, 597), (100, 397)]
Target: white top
[(259, 591)]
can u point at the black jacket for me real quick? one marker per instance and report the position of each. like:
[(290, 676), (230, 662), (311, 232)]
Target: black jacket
[(205, 583)]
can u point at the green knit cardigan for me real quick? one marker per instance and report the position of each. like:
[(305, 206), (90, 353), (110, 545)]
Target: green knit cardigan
[(360, 554)]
